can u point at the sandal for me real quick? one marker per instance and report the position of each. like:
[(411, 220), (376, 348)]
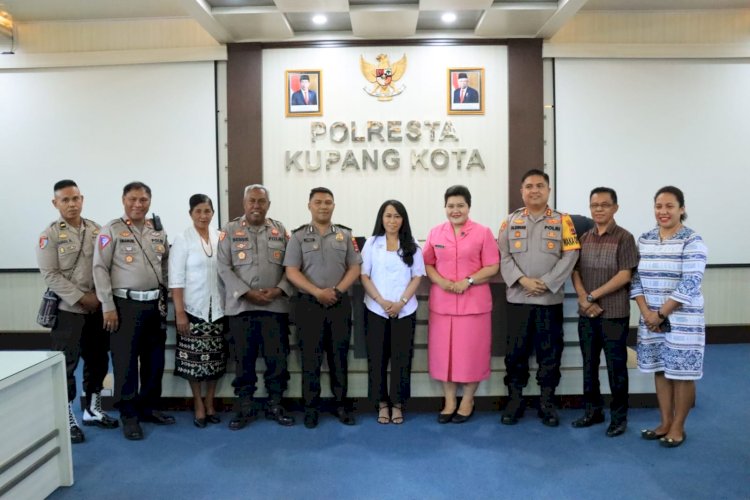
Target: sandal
[(384, 414), (398, 419)]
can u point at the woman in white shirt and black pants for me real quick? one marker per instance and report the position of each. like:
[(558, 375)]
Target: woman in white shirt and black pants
[(197, 296), (392, 267)]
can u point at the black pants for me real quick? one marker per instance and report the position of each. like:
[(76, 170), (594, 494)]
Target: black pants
[(389, 339), (139, 338), (319, 329), (252, 332), (538, 327), (595, 334), (82, 336)]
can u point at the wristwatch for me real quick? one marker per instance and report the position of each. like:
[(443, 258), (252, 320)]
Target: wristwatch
[(470, 280), (590, 298)]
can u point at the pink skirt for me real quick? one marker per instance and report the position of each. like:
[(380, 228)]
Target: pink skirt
[(459, 347)]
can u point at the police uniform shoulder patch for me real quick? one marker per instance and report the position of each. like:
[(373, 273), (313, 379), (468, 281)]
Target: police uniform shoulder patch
[(104, 240), (43, 241), (222, 235), (303, 226), (569, 237), (354, 243), (503, 226)]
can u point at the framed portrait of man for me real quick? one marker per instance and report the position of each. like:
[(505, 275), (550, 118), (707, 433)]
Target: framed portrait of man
[(465, 91), (304, 89)]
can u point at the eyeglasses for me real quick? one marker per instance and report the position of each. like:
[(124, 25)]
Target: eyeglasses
[(603, 206)]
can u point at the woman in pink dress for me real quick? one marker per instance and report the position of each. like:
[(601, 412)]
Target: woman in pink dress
[(460, 257)]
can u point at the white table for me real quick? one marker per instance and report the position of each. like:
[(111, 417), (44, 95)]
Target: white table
[(35, 454)]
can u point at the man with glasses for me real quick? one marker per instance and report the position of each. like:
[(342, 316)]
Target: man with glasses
[(601, 280)]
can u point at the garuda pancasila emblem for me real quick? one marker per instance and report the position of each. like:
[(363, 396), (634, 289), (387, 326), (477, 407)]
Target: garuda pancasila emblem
[(383, 75)]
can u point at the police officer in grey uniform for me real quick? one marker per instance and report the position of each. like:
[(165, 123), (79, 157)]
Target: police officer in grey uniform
[(538, 248), (130, 265), (250, 257), (65, 257), (323, 261)]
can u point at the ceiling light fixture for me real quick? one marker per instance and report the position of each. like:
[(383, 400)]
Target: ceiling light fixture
[(319, 19), (448, 17)]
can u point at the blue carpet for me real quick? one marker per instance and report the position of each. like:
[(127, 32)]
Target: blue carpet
[(424, 460)]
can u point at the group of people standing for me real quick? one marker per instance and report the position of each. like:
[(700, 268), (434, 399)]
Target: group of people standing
[(233, 292)]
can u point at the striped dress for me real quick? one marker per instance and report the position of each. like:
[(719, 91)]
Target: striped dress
[(672, 269)]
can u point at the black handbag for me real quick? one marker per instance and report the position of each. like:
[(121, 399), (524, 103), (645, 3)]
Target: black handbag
[(47, 315)]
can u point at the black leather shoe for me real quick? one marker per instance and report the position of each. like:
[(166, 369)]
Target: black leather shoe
[(311, 418), (213, 419), (344, 416), (515, 407), (76, 435), (549, 416), (199, 422), (617, 428), (158, 418), (460, 419), (131, 429), (444, 418), (276, 412), (240, 420), (589, 419)]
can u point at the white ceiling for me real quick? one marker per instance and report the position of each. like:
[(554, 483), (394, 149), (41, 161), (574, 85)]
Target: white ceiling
[(280, 20)]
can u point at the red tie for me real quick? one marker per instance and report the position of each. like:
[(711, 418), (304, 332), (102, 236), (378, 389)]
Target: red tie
[(463, 92)]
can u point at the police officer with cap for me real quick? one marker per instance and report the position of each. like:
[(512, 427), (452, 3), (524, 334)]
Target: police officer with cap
[(322, 261), (65, 257), (130, 267), (538, 249), (250, 257)]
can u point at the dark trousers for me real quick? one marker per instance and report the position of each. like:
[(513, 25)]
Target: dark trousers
[(595, 334), (139, 338), (538, 327), (82, 336), (389, 339), (252, 332), (320, 329)]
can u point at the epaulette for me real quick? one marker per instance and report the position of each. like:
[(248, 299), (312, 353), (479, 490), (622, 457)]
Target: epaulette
[(344, 227), (303, 226)]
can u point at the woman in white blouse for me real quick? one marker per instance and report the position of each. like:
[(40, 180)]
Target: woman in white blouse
[(201, 350), (392, 267)]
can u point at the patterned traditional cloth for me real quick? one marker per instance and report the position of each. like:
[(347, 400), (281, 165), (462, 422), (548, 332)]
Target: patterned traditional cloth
[(201, 355), (672, 269)]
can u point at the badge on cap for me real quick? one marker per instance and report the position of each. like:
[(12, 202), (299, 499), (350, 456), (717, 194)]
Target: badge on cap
[(550, 245), (517, 244), (241, 255), (339, 237), (43, 241), (128, 259), (125, 234), (104, 240)]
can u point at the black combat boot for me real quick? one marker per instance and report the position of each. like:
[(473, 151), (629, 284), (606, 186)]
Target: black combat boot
[(547, 411), (515, 407)]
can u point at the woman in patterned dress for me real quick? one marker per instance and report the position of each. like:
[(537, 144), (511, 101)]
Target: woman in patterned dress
[(200, 355), (671, 331)]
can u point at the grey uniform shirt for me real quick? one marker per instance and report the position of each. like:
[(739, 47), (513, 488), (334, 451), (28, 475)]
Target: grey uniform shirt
[(121, 259), (251, 258), (544, 247), (323, 259), (56, 255)]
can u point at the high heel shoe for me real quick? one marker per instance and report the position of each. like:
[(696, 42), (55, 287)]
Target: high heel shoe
[(384, 416), (398, 419), (444, 418), (460, 419)]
